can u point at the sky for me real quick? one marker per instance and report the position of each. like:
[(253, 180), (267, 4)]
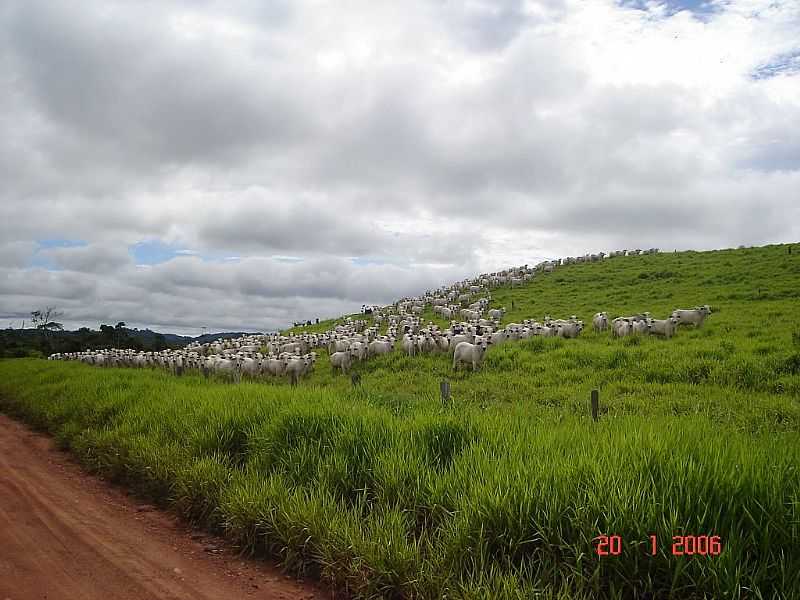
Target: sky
[(240, 164)]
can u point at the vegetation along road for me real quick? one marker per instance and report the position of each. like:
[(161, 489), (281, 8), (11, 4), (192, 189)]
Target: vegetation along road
[(66, 536)]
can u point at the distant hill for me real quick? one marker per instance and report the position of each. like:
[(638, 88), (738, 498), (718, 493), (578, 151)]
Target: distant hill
[(182, 340), (210, 337)]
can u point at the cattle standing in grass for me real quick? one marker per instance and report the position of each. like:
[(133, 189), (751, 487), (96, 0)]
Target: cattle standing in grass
[(664, 327), (569, 330), (693, 316), (297, 366), (343, 360), (600, 321), (470, 353)]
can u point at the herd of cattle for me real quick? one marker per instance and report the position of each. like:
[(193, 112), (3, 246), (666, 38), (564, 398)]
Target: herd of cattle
[(466, 340)]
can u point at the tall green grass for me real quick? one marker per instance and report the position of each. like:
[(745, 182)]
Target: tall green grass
[(381, 491)]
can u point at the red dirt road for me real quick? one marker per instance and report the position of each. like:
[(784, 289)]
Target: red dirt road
[(65, 535)]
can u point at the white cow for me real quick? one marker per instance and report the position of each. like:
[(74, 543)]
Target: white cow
[(470, 353), (343, 360), (470, 314), (358, 350), (250, 366), (497, 313), (498, 337), (600, 321), (461, 337), (621, 326), (569, 330), (378, 347), (409, 344), (665, 327), (297, 366), (694, 316), (274, 366), (338, 346)]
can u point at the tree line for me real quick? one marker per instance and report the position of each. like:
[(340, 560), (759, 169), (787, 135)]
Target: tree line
[(46, 335)]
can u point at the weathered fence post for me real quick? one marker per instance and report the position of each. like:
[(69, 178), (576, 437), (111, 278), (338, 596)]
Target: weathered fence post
[(355, 379), (595, 404), (444, 390)]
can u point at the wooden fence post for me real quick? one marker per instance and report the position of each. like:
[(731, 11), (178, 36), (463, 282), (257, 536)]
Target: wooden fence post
[(595, 404), (444, 390)]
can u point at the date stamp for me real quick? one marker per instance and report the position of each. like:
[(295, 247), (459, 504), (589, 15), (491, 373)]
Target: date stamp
[(682, 545)]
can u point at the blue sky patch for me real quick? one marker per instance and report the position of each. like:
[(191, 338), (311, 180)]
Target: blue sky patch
[(153, 252), (363, 261), (58, 243), (286, 259), (700, 9), (42, 261), (782, 64)]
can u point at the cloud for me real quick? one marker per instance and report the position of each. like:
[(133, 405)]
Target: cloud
[(92, 258), (265, 162), (16, 254), (186, 293)]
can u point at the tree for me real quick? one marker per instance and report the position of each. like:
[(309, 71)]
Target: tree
[(44, 321), (119, 330), (159, 342), (107, 335)]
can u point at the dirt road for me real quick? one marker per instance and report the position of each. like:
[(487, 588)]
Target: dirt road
[(65, 535)]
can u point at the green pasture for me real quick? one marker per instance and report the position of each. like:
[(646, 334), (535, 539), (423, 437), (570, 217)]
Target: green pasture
[(381, 490)]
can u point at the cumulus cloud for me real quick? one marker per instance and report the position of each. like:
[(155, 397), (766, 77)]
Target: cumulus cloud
[(385, 148)]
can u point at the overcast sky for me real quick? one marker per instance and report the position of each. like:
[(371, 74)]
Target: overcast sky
[(238, 165)]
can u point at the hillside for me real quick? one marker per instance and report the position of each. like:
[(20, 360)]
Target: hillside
[(383, 491), (745, 348)]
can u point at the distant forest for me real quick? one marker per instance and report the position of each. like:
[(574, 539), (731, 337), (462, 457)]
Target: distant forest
[(40, 341)]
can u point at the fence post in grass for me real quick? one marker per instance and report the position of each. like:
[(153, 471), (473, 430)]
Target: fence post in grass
[(444, 390), (595, 404), (355, 379)]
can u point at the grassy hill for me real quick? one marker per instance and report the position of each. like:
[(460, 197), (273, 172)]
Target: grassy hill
[(384, 492)]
